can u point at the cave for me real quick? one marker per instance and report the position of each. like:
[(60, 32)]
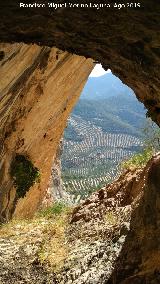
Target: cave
[(46, 56)]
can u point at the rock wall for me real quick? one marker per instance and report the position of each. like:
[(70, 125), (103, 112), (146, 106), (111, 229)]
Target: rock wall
[(112, 237), (38, 91), (126, 40), (39, 87), (139, 260), (55, 190)]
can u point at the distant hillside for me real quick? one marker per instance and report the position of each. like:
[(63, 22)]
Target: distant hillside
[(108, 103), (105, 86), (105, 128), (116, 114)]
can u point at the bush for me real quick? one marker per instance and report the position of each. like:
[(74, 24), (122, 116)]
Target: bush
[(138, 160), (24, 174), (56, 209)]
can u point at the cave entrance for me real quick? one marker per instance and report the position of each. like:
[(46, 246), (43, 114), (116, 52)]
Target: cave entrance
[(106, 128)]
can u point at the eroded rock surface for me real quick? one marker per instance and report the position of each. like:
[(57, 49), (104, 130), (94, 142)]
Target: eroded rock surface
[(113, 238), (125, 40), (121, 192), (55, 191), (88, 243), (20, 244), (39, 87), (139, 261)]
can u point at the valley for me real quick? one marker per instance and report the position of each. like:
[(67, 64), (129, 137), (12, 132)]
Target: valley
[(104, 129)]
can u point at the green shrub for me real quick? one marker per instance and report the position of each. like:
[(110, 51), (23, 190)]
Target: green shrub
[(24, 174), (56, 209), (138, 160)]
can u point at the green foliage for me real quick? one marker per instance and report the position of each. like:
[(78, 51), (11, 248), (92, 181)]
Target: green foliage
[(151, 135), (84, 188), (66, 176), (24, 174), (138, 160), (56, 209), (151, 142), (102, 109)]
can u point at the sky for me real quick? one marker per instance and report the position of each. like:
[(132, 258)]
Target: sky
[(98, 71)]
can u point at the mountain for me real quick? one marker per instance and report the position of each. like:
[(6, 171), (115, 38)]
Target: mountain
[(104, 128), (104, 86), (108, 103), (116, 114)]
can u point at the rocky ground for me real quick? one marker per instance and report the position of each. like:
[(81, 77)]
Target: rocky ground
[(93, 248), (78, 245), (87, 253)]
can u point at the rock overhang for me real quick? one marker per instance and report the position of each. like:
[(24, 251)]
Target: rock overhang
[(125, 39)]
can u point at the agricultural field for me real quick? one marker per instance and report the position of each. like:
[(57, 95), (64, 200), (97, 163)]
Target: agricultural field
[(94, 159), (100, 135)]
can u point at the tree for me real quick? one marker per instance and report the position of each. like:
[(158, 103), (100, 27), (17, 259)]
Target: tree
[(151, 136)]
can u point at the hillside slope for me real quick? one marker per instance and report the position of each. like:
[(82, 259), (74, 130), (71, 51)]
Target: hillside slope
[(104, 86), (104, 128), (116, 114), (101, 241)]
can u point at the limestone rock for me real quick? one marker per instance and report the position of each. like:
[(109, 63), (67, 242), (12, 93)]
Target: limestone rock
[(114, 240), (39, 87), (126, 40)]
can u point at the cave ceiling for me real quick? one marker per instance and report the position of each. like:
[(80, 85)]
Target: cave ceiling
[(126, 40)]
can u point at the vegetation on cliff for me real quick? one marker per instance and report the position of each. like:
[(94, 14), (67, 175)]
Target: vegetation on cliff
[(24, 174), (138, 160)]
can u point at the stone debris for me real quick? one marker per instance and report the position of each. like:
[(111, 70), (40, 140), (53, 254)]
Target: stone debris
[(94, 236)]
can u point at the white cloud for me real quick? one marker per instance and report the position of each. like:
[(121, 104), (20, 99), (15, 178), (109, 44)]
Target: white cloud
[(98, 71)]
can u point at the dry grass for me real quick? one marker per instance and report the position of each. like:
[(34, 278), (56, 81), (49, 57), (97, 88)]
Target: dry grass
[(54, 249), (10, 228), (50, 228), (111, 218)]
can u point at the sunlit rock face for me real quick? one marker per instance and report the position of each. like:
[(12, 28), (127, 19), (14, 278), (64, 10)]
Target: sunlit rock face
[(55, 190), (39, 87), (38, 91), (125, 40), (139, 260)]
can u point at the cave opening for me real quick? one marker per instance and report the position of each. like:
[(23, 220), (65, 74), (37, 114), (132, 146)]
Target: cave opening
[(110, 137), (103, 219), (126, 41), (107, 131)]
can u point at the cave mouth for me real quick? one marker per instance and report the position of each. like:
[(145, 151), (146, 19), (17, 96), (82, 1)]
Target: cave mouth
[(106, 132), (132, 51)]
